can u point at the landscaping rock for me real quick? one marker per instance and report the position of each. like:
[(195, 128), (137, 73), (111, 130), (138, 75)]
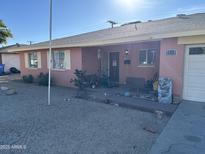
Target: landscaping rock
[(10, 92), (159, 114), (177, 100), (67, 99), (3, 88)]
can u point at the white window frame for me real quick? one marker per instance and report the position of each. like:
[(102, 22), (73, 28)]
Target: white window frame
[(30, 56), (57, 61), (67, 60), (154, 58), (27, 59)]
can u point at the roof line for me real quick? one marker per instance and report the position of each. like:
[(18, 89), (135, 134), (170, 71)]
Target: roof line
[(143, 38), (157, 20)]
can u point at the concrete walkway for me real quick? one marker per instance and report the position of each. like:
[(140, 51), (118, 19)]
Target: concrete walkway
[(184, 133), (11, 77)]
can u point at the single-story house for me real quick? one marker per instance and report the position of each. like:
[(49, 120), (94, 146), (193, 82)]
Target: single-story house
[(172, 47), (10, 59)]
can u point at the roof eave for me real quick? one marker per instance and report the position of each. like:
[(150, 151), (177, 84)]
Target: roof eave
[(141, 38)]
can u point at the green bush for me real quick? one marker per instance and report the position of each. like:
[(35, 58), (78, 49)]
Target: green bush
[(81, 83), (80, 80), (92, 80), (104, 81), (42, 79), (28, 78)]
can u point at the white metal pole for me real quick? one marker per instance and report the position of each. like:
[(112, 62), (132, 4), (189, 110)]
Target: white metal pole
[(50, 50)]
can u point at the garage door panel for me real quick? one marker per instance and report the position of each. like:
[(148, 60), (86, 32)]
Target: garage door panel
[(194, 99), (195, 92), (196, 57), (196, 71), (198, 80), (194, 67), (194, 87)]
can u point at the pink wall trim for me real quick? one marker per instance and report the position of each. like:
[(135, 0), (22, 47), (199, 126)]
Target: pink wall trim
[(172, 66), (61, 78)]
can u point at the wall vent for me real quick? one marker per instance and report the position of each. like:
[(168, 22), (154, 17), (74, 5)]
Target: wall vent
[(171, 52)]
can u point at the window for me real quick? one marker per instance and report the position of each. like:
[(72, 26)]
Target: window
[(197, 51), (58, 59), (33, 59), (147, 57)]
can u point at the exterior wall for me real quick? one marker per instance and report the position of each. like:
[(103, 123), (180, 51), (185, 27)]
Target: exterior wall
[(172, 66), (11, 60), (91, 63), (61, 77), (86, 59), (134, 69)]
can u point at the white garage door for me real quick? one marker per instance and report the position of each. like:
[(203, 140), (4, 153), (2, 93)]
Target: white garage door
[(194, 73), (11, 60)]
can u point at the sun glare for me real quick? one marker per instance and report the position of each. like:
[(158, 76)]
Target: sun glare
[(128, 4)]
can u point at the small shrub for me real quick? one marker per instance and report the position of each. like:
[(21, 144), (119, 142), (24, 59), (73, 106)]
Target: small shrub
[(42, 79), (92, 80), (81, 83), (104, 81), (28, 78), (149, 85)]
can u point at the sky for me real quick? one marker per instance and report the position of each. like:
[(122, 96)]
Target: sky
[(28, 20)]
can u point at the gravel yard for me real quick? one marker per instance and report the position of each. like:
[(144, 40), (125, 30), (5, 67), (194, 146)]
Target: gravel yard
[(72, 126)]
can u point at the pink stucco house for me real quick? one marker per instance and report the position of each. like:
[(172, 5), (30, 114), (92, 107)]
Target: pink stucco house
[(172, 47)]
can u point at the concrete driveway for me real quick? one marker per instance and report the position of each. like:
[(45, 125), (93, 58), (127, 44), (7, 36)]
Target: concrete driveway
[(29, 126), (185, 132)]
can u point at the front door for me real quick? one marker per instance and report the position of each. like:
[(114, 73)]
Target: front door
[(114, 66)]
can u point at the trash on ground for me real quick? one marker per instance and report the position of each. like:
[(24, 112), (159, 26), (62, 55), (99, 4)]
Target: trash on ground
[(67, 99), (150, 129), (107, 101), (165, 90), (115, 104), (127, 94), (93, 86)]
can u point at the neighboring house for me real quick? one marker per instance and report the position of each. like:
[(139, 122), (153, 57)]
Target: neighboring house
[(10, 59), (173, 47)]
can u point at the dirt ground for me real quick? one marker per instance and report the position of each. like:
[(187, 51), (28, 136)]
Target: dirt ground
[(29, 126)]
